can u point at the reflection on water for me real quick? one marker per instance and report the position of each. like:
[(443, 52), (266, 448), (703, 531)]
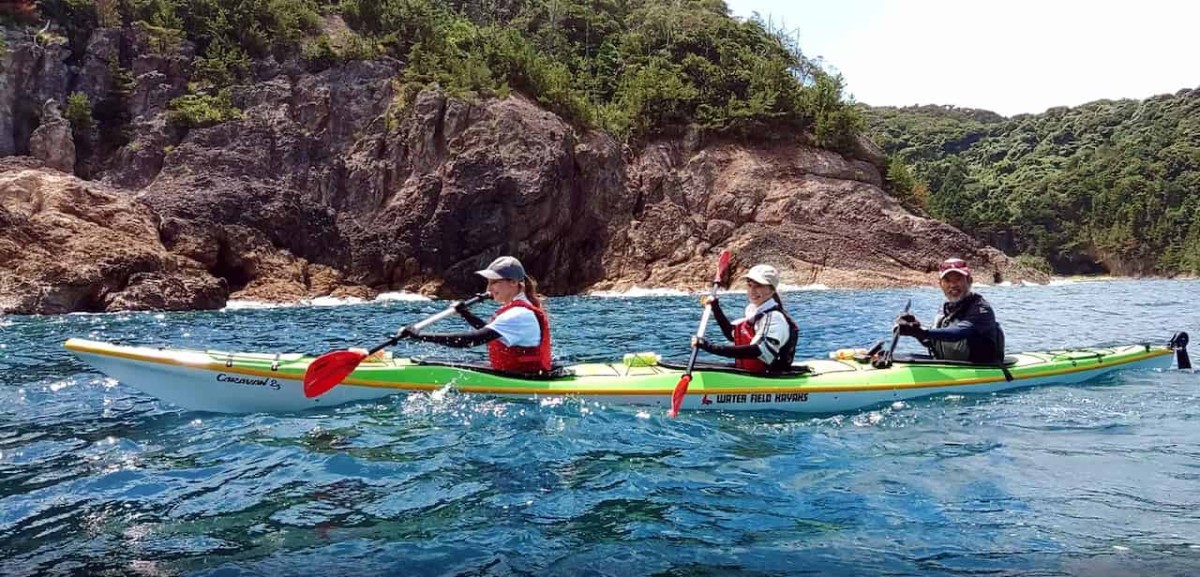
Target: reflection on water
[(1098, 479)]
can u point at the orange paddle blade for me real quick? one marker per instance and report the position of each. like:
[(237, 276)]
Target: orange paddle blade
[(677, 396), (330, 369)]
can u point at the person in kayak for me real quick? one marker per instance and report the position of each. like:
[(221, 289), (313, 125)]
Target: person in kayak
[(966, 328), (518, 334), (765, 339)]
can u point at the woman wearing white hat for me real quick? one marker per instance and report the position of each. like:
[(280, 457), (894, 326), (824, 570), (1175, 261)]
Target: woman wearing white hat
[(764, 340)]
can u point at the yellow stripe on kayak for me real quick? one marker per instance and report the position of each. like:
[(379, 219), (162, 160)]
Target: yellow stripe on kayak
[(140, 355)]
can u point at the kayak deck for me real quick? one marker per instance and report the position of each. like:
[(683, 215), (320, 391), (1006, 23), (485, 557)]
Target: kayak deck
[(252, 382)]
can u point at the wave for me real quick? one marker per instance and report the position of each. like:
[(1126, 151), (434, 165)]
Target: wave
[(328, 301), (784, 287), (402, 296), (1066, 280), (325, 301), (1006, 284), (637, 292), (237, 305)]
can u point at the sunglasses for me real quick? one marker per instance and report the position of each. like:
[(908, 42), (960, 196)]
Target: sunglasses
[(954, 263)]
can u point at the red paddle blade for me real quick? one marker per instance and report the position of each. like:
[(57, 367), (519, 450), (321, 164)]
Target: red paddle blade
[(330, 369), (722, 266), (677, 396)]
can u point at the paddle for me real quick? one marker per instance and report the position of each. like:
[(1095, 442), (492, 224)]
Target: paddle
[(1179, 344), (682, 387), (332, 368), (885, 359)]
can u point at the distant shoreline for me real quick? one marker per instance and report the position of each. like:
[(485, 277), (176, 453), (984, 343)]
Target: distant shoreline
[(1109, 278), (642, 292)]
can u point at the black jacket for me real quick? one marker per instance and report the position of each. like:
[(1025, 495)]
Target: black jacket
[(967, 331)]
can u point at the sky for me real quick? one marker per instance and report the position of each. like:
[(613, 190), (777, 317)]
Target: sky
[(1010, 57)]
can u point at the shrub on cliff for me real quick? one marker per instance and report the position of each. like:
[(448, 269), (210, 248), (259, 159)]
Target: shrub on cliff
[(636, 68), (1032, 262), (200, 110), (79, 112)]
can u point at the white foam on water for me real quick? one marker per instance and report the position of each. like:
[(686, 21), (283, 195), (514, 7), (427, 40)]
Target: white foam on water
[(784, 287), (637, 292), (402, 296), (333, 301), (236, 305), (325, 301), (1080, 279)]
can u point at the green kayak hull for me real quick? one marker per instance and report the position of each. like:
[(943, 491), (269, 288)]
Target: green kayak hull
[(252, 382)]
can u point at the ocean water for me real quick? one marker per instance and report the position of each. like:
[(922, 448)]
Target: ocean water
[(1099, 479)]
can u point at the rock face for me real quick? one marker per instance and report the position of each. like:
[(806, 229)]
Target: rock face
[(332, 182), (51, 141), (32, 71), (818, 217), (69, 245)]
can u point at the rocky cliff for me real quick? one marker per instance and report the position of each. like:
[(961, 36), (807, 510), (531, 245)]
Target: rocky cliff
[(337, 181)]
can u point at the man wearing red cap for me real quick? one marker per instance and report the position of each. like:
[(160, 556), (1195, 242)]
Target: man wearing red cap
[(966, 327)]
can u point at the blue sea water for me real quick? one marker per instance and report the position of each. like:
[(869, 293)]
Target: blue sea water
[(1100, 479)]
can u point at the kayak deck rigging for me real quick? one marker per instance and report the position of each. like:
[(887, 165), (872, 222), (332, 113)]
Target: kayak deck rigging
[(234, 382)]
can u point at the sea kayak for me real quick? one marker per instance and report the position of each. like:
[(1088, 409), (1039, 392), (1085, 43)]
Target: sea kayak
[(227, 382)]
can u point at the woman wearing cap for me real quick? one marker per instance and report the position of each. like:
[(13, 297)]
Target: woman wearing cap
[(765, 339), (518, 334), (965, 328)]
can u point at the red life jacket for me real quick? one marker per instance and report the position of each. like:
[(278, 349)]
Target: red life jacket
[(522, 359), (743, 334)]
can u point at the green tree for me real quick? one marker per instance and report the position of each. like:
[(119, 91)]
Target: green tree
[(79, 111), (1117, 181)]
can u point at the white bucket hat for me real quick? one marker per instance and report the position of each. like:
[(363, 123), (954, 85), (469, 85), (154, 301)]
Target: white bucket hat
[(763, 274)]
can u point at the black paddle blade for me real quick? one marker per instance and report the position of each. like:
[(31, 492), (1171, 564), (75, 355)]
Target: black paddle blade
[(1179, 344)]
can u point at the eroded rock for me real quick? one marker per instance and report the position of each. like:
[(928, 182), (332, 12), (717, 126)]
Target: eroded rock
[(69, 245)]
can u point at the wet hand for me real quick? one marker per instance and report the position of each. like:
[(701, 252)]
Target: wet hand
[(701, 343)]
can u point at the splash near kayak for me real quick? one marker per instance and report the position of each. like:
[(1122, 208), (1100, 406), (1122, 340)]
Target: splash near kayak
[(227, 382)]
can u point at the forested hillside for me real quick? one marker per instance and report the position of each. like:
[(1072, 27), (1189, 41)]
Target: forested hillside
[(634, 68), (1110, 186)]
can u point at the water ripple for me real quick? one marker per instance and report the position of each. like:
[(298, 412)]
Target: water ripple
[(1097, 479)]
